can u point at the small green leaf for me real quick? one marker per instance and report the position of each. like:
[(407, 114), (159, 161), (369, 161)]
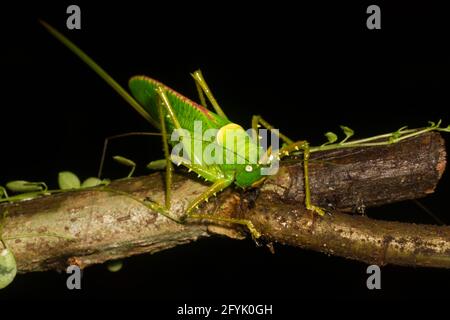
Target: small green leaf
[(331, 136), (68, 180), (445, 129), (348, 133), (124, 161), (115, 266), (431, 124), (91, 182), (157, 164), (8, 267), (397, 134), (24, 186)]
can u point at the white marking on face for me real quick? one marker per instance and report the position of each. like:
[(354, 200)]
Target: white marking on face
[(249, 168)]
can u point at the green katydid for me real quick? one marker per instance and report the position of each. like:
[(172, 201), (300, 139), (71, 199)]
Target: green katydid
[(168, 110)]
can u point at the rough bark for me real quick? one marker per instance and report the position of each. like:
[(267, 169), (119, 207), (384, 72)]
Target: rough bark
[(98, 225)]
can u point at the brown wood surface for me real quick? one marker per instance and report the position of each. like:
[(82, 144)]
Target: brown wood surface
[(98, 225)]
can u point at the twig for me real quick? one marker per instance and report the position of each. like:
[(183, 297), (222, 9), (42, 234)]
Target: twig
[(100, 226)]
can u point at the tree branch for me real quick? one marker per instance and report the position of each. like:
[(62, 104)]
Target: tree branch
[(92, 226)]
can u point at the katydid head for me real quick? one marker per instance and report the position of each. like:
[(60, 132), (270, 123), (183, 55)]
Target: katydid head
[(247, 175)]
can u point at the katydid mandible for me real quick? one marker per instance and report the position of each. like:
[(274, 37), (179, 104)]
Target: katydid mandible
[(167, 110)]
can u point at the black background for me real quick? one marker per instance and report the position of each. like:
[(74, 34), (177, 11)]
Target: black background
[(306, 68)]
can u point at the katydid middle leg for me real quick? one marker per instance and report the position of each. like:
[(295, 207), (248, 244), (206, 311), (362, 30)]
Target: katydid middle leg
[(303, 145), (162, 209)]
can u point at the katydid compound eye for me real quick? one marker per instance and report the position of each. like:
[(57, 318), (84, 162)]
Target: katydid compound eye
[(249, 168)]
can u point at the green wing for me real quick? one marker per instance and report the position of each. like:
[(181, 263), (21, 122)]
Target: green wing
[(144, 91)]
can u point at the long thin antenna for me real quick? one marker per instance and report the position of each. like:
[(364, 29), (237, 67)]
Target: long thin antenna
[(99, 70)]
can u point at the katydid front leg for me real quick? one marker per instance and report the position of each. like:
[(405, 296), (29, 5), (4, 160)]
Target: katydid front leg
[(289, 147)]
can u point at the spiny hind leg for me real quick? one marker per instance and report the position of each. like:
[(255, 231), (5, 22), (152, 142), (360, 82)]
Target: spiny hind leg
[(200, 93), (208, 174), (303, 145), (163, 103), (153, 205), (169, 165), (202, 87)]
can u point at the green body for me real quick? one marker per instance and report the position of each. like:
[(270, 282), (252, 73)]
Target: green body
[(244, 173)]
